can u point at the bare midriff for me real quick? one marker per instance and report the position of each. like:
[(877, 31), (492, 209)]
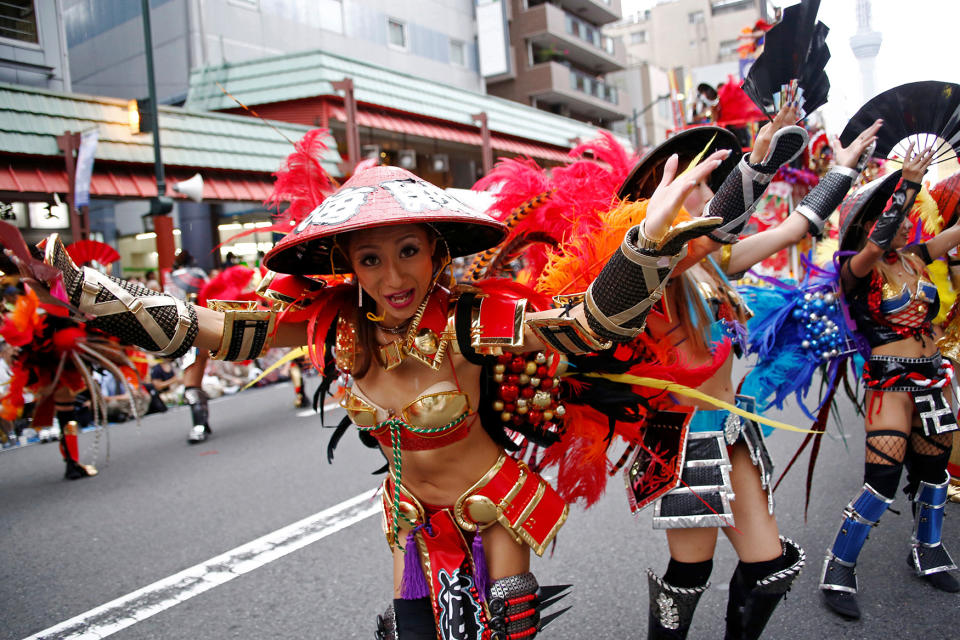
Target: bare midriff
[(907, 348)]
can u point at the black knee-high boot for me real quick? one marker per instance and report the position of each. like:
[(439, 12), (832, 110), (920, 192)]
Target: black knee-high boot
[(674, 598), (197, 399), (756, 589), (407, 620)]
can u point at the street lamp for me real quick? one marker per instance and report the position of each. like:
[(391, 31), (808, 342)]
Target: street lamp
[(161, 205)]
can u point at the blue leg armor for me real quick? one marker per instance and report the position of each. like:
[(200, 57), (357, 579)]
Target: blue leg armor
[(859, 517), (928, 554)]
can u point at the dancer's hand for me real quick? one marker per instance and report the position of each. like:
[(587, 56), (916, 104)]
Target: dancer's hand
[(786, 117), (915, 165), (666, 201), (849, 156)]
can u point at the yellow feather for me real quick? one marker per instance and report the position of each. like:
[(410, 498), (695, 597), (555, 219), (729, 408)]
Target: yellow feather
[(825, 250), (940, 275), (929, 214)]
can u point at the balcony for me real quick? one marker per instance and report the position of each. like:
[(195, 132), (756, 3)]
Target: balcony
[(550, 28), (581, 93), (595, 11)]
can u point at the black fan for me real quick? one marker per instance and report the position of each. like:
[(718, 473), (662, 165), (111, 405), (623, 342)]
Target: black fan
[(918, 112), (793, 64)]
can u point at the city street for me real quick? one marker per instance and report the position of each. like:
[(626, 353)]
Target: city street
[(180, 525)]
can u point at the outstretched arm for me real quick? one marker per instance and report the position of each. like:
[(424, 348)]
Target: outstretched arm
[(947, 239), (813, 210), (617, 302), (883, 234)]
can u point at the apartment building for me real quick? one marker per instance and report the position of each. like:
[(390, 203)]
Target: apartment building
[(554, 56)]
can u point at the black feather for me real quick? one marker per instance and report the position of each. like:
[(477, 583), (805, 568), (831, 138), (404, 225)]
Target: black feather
[(794, 49)]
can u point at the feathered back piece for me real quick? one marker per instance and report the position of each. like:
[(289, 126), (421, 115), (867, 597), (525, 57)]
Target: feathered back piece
[(543, 209), (792, 66), (913, 112)]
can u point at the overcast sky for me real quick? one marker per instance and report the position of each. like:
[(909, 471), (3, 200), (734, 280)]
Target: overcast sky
[(920, 42)]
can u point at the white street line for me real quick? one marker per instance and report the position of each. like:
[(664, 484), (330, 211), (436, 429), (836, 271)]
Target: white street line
[(135, 607), (310, 412)]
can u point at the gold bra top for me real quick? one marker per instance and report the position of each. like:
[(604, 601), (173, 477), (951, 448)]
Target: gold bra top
[(434, 419)]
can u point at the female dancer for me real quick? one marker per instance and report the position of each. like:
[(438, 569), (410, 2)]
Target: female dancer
[(726, 469), (908, 422), (409, 351)]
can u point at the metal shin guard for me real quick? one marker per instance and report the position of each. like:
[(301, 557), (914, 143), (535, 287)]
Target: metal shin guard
[(751, 605), (671, 608), (514, 607), (618, 301), (156, 322), (197, 398), (386, 625), (928, 554), (823, 199), (737, 197), (859, 517)]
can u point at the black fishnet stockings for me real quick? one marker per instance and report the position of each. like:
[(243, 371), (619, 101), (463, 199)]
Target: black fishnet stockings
[(924, 445), (886, 447)]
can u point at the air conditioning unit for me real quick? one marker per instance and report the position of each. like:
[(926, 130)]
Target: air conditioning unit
[(441, 163)]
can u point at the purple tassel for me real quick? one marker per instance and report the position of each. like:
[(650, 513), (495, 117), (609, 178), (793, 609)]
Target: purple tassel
[(482, 577), (413, 584)]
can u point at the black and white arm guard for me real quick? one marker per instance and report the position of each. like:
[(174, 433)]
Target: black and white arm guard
[(617, 302), (889, 222), (736, 199), (824, 198), (153, 321)]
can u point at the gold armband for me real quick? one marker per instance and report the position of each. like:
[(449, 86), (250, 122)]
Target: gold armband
[(566, 335), (246, 329)]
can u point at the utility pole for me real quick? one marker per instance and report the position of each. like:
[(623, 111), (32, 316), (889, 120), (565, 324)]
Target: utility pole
[(161, 205)]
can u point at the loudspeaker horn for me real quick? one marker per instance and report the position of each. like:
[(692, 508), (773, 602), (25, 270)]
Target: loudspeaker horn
[(192, 188)]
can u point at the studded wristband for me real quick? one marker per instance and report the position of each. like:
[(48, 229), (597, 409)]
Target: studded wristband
[(823, 199), (617, 302)]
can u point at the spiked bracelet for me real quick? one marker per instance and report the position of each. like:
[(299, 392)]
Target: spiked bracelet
[(153, 321), (823, 199), (245, 329), (737, 197), (617, 302)]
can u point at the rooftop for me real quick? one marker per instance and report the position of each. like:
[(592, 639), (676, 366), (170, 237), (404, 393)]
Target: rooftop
[(310, 73), (31, 119)]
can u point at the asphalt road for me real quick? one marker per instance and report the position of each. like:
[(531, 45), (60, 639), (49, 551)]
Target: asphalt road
[(164, 512)]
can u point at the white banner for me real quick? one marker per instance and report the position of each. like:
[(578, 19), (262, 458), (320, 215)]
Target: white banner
[(88, 149)]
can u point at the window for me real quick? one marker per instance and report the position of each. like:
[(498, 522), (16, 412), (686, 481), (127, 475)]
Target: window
[(396, 34), (18, 21), (638, 37), (458, 53), (695, 17), (728, 48), (249, 4)]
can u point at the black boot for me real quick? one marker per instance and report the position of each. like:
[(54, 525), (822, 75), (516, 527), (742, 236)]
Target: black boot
[(197, 399), (671, 608), (752, 602)]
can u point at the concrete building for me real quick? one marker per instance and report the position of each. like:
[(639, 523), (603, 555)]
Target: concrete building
[(553, 55), (697, 39), (33, 51), (434, 39)]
